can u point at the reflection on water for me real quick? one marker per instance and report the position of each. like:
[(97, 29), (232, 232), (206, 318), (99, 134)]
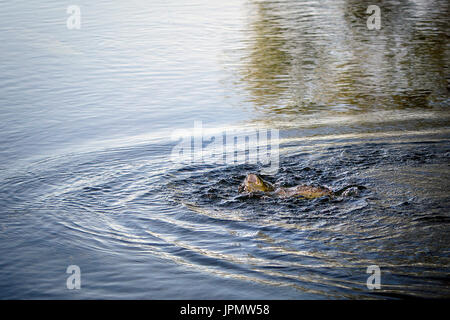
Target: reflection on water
[(320, 58), (268, 61), (85, 143)]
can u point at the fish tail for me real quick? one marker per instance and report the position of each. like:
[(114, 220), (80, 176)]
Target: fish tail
[(341, 191)]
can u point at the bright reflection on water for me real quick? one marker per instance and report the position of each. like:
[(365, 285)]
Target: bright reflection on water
[(85, 176)]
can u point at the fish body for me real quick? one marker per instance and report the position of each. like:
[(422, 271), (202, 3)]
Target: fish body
[(304, 191)]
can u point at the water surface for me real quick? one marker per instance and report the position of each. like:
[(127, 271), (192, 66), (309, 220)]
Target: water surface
[(85, 144)]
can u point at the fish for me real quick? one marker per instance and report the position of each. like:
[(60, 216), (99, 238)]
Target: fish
[(253, 183)]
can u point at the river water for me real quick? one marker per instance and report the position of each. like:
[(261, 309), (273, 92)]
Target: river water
[(87, 175)]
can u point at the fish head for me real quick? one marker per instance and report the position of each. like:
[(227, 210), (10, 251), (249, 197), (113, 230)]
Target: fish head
[(254, 183)]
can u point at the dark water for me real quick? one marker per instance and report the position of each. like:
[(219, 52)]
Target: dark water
[(86, 177)]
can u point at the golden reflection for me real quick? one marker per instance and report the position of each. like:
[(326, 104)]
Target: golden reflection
[(319, 58), (267, 63)]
